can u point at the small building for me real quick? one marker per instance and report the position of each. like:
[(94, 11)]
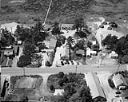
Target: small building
[(95, 88), (113, 54), (8, 51), (19, 42), (11, 27), (119, 80), (66, 26), (58, 92)]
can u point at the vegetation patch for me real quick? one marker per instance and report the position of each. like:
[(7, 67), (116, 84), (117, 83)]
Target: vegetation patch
[(124, 74), (16, 81), (120, 46), (74, 85), (24, 88)]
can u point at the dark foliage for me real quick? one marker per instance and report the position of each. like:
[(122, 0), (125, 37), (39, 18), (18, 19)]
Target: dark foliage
[(52, 88), (111, 83), (29, 49), (24, 60), (60, 75), (110, 41), (56, 29), (6, 38)]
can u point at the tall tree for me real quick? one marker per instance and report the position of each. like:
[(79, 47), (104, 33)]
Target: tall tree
[(29, 49), (60, 40), (82, 44), (56, 29), (79, 23), (6, 38), (70, 41)]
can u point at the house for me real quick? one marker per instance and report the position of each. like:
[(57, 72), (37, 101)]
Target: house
[(101, 34), (58, 92), (119, 80), (66, 26), (8, 51), (90, 52), (113, 54), (95, 88), (11, 27)]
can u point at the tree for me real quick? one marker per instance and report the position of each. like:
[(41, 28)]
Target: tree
[(24, 60), (123, 59), (56, 29), (52, 88), (85, 94), (120, 46), (60, 75), (70, 41), (82, 44), (61, 82), (69, 90), (6, 38), (38, 34), (42, 46), (110, 41), (79, 23), (60, 40), (22, 33), (29, 49), (81, 34)]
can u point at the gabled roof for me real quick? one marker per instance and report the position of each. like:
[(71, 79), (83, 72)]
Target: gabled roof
[(118, 79), (94, 85)]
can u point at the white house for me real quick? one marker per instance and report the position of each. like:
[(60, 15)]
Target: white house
[(58, 92), (8, 51), (11, 27), (113, 54), (119, 80)]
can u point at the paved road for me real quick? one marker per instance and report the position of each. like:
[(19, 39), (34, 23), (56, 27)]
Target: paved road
[(65, 69), (109, 92)]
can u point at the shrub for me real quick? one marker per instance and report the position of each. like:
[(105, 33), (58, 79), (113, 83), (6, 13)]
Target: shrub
[(52, 88), (111, 83), (61, 83), (124, 59), (47, 64), (24, 60), (60, 75)]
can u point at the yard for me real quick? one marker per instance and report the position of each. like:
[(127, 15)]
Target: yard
[(25, 87), (74, 85)]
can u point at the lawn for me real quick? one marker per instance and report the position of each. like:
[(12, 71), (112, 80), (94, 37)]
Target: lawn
[(25, 87)]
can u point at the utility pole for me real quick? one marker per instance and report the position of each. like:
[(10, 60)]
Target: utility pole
[(76, 69), (24, 71), (47, 12)]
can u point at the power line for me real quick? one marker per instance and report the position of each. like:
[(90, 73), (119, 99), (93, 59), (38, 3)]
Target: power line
[(47, 12)]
